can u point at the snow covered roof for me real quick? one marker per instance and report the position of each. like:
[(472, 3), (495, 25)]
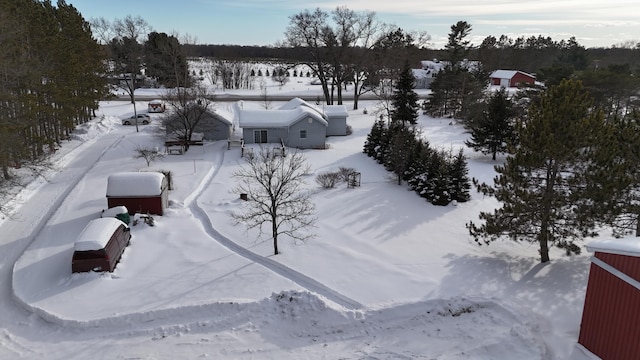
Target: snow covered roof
[(277, 118), (296, 103), (335, 110), (626, 246), (223, 115), (508, 74), (135, 184), (433, 65), (96, 234)]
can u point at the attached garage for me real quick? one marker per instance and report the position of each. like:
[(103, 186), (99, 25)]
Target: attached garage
[(140, 192), (609, 327)]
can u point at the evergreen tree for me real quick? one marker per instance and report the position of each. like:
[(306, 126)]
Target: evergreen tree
[(374, 138), (404, 101), (416, 174), (458, 87), (494, 127), (543, 186), (614, 177), (459, 182), (165, 60), (437, 186), (458, 46), (400, 152)]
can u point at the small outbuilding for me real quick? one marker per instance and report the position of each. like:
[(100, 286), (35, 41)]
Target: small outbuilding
[(140, 192), (511, 78), (609, 327), (336, 116)]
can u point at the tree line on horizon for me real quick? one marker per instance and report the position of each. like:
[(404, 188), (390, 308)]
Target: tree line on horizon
[(526, 54)]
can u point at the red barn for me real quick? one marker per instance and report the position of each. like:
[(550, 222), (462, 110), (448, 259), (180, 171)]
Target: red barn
[(511, 78), (140, 192), (610, 320)]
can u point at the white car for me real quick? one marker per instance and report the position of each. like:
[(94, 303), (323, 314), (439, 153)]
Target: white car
[(143, 119)]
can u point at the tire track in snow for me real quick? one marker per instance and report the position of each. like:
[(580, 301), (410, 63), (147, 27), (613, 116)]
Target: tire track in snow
[(280, 269)]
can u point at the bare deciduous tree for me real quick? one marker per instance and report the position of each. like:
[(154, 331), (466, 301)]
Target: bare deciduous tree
[(281, 75), (149, 155), (187, 108), (275, 194), (123, 38), (264, 95)]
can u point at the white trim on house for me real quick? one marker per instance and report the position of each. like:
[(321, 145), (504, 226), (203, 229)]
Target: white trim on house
[(615, 272)]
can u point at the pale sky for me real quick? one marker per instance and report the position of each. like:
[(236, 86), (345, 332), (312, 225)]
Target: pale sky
[(600, 23)]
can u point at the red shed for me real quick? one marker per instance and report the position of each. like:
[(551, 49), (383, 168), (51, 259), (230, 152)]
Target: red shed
[(140, 192), (610, 326), (511, 78)]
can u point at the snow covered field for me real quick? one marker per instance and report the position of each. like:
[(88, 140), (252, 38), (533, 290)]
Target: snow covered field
[(388, 276)]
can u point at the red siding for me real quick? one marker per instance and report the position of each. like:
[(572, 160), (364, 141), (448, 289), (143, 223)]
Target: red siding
[(610, 325), (629, 265), (143, 205), (520, 78)]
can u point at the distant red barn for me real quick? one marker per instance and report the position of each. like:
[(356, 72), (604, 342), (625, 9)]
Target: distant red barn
[(511, 78), (140, 192), (610, 326)]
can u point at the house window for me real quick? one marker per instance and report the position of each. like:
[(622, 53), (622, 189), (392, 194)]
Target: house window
[(259, 136), (303, 134)]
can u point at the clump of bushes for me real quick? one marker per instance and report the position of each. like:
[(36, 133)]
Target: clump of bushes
[(330, 179)]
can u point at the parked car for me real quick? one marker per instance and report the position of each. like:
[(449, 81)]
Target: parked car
[(156, 106), (100, 245), (143, 119)]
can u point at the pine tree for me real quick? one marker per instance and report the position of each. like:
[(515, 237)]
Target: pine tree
[(459, 86), (459, 183), (614, 177), (417, 173), (404, 101), (437, 186), (400, 152), (374, 138), (494, 128), (543, 185)]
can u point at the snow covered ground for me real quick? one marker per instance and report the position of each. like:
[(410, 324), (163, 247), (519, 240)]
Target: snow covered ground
[(388, 276)]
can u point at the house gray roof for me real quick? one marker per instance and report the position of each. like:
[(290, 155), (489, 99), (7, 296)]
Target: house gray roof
[(278, 117), (335, 110), (224, 115)]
